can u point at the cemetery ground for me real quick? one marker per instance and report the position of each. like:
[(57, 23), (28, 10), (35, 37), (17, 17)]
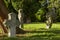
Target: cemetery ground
[(36, 31)]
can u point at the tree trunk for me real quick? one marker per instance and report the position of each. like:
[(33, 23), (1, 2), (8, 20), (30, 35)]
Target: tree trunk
[(3, 27), (3, 10), (3, 14)]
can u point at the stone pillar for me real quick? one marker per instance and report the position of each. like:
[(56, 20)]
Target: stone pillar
[(49, 22), (12, 32), (12, 23), (20, 17)]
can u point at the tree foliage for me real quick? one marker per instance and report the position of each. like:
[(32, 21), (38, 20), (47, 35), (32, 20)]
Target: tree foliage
[(35, 10)]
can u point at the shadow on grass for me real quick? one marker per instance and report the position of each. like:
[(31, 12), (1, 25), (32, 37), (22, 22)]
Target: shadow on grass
[(35, 37), (42, 34), (42, 30), (40, 37)]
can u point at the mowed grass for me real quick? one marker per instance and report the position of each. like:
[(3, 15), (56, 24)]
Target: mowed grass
[(38, 26), (38, 31)]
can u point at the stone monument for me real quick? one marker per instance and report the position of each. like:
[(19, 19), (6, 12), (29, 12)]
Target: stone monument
[(12, 23)]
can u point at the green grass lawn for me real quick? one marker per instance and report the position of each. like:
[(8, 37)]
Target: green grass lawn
[(38, 32), (40, 26)]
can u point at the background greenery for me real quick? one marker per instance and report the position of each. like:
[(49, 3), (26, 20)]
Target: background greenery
[(34, 10)]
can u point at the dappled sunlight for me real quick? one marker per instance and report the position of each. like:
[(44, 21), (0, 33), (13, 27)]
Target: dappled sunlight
[(36, 32), (42, 34)]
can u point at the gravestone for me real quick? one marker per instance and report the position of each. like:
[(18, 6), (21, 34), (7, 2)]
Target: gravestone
[(12, 23), (49, 21), (20, 17)]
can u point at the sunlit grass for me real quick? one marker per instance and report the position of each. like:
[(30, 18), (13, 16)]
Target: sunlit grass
[(34, 26), (38, 32), (56, 25), (40, 25)]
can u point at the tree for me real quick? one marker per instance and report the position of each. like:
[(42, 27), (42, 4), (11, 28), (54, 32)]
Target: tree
[(3, 15), (32, 9)]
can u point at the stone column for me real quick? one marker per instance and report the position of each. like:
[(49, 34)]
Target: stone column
[(49, 21), (20, 17), (12, 32), (12, 23)]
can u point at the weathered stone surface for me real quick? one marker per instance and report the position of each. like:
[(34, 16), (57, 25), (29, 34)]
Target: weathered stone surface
[(12, 23), (12, 20), (20, 17)]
